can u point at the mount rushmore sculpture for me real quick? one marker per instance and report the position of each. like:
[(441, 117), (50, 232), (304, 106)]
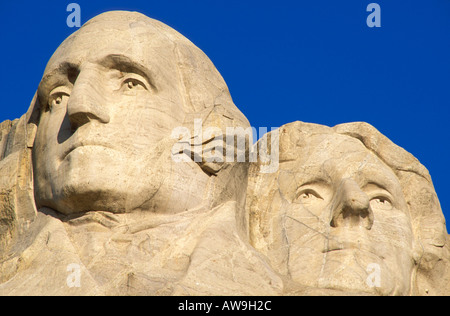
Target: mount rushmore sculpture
[(133, 173)]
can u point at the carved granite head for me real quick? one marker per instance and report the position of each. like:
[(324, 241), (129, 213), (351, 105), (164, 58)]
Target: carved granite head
[(109, 99), (348, 210)]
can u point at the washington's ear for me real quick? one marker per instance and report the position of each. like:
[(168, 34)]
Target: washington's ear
[(214, 143), (207, 99), (218, 140)]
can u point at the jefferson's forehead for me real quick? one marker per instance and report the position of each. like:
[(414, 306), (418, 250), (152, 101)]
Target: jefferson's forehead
[(332, 157)]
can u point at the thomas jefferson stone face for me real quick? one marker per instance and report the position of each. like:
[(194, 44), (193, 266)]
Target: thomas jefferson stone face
[(106, 101), (339, 220)]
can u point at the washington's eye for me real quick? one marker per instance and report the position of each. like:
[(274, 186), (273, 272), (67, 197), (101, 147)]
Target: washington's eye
[(133, 84), (381, 203), (57, 101), (58, 97)]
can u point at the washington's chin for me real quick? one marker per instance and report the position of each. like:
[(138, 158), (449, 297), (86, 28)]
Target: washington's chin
[(97, 178), (89, 178), (76, 199)]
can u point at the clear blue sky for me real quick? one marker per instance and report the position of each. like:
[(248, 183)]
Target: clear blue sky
[(315, 61)]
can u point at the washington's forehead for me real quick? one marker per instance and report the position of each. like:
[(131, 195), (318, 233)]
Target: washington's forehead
[(139, 41)]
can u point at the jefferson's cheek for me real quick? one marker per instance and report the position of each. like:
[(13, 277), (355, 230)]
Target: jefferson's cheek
[(393, 229)]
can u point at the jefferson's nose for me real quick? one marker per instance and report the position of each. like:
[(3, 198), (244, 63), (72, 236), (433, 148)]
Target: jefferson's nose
[(87, 102), (351, 206)]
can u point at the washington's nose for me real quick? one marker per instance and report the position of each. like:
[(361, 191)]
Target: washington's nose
[(351, 206), (86, 103)]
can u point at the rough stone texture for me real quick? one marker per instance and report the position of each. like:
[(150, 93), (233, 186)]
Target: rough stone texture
[(89, 179), (104, 189), (345, 207)]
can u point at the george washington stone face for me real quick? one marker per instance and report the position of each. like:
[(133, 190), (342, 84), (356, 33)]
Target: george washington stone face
[(110, 97), (105, 107)]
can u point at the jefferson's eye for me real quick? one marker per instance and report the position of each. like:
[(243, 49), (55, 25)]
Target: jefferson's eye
[(381, 203), (307, 196)]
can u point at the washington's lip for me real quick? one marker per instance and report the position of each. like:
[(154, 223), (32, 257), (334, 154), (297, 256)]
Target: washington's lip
[(81, 144)]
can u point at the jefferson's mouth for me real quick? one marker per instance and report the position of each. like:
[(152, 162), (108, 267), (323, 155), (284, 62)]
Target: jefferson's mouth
[(334, 245)]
